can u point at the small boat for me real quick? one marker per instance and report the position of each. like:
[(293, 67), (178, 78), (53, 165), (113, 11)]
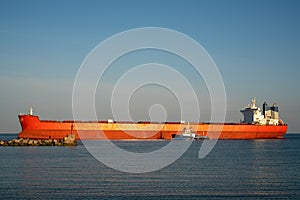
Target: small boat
[(187, 134)]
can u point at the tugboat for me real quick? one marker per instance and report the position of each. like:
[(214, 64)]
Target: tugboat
[(187, 134)]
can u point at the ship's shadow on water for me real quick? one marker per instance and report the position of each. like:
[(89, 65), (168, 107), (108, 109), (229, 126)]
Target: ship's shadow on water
[(252, 169)]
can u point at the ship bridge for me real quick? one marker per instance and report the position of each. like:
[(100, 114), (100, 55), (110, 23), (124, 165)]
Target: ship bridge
[(253, 115)]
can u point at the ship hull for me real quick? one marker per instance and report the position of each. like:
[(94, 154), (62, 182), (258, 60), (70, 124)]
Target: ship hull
[(34, 128)]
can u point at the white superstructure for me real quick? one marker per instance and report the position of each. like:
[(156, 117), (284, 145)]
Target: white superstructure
[(253, 115)]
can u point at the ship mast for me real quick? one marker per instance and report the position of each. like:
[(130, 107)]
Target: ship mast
[(30, 111)]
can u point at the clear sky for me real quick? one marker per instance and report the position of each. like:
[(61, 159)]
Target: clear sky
[(255, 44)]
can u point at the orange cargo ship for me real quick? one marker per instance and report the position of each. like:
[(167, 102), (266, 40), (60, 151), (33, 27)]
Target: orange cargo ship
[(256, 125)]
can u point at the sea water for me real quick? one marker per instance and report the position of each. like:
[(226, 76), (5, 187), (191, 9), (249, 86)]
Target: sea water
[(234, 169)]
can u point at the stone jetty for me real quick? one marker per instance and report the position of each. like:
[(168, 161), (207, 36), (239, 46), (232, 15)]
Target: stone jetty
[(69, 140)]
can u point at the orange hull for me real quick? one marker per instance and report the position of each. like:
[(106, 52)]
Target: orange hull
[(34, 128)]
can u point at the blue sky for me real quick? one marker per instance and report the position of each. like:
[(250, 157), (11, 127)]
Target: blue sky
[(255, 45)]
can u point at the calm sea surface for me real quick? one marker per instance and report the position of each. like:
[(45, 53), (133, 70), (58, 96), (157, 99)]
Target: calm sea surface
[(234, 169)]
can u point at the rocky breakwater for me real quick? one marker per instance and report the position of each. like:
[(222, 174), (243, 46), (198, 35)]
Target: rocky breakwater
[(69, 140)]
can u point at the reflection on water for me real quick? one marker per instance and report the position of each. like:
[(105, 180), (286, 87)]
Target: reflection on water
[(234, 168)]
